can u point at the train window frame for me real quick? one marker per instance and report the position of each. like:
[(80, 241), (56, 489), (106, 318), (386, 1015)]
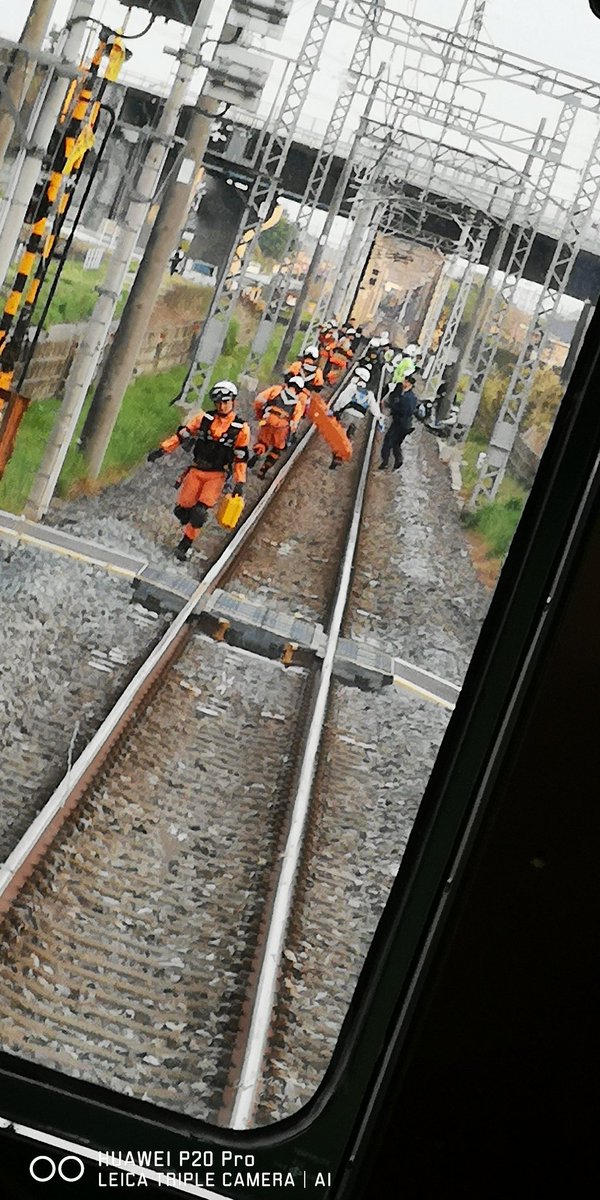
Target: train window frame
[(509, 649), (525, 608)]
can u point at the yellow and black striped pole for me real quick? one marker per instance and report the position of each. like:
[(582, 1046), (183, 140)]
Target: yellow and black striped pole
[(76, 140), (79, 116)]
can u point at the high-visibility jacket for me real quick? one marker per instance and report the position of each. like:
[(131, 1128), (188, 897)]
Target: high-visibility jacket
[(345, 346), (220, 443), (326, 342), (326, 337), (275, 400), (405, 366)]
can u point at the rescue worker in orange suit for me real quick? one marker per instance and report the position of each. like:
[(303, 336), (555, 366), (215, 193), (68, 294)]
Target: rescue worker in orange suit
[(326, 341), (339, 354), (307, 366), (279, 410), (326, 336), (219, 443)]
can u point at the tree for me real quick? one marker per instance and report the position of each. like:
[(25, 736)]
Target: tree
[(274, 242), (545, 397)]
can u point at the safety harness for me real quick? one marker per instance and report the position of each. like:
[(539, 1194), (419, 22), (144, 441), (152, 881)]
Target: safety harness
[(212, 453)]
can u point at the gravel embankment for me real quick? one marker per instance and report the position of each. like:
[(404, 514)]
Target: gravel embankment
[(415, 590), (415, 593), (70, 639), (136, 515), (127, 952), (377, 755)]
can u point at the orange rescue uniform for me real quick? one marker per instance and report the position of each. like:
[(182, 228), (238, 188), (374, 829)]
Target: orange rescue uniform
[(338, 358), (326, 342), (220, 448), (314, 382), (277, 419)]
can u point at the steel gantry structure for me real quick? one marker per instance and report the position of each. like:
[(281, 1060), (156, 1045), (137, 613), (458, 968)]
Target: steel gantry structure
[(274, 147), (427, 145), (330, 147), (514, 404), (541, 193)]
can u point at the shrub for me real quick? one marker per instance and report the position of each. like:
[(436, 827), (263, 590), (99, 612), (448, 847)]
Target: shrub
[(496, 522)]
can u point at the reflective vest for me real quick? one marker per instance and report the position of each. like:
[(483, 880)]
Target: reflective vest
[(284, 403), (217, 454)]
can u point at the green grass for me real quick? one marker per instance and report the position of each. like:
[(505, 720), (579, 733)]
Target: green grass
[(27, 456), (146, 415), (265, 369), (496, 523), (231, 362), (471, 451), (75, 295), (145, 419)]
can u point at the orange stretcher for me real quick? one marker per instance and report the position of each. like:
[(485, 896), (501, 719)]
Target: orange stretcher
[(335, 436)]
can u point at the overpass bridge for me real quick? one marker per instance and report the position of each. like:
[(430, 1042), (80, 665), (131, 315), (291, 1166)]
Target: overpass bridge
[(231, 159)]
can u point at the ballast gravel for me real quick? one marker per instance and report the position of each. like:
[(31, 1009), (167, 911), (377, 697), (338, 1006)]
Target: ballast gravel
[(70, 640), (377, 753), (415, 593)]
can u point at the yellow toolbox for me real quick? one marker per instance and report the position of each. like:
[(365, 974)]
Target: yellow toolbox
[(229, 511)]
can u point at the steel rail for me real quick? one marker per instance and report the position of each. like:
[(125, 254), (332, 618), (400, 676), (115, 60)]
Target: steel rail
[(45, 826), (250, 1075), (58, 805)]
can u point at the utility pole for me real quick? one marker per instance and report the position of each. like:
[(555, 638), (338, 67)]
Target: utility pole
[(238, 77), (32, 165), (12, 94), (274, 145), (357, 283), (128, 339), (358, 247), (90, 349), (371, 11), (467, 336), (235, 75)]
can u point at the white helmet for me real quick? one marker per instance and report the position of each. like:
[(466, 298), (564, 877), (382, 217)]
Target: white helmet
[(384, 338), (363, 374), (412, 350), (296, 382), (224, 389), (374, 343), (311, 352)]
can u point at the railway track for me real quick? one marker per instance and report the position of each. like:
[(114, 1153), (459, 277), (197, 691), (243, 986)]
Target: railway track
[(57, 690), (129, 962), (70, 641)]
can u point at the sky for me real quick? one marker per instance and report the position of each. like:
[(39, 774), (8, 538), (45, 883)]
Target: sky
[(565, 35), (553, 31), (540, 29)]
